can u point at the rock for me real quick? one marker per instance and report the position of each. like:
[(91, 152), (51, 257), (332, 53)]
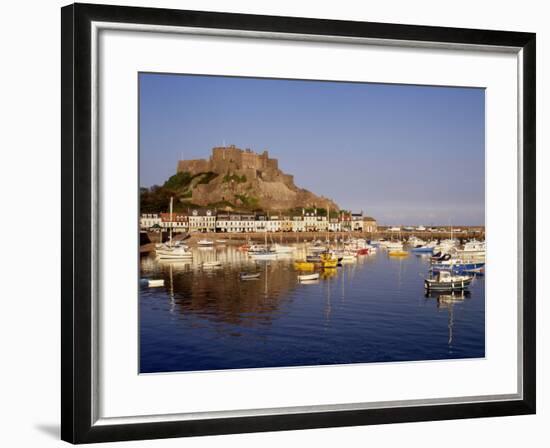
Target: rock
[(247, 180)]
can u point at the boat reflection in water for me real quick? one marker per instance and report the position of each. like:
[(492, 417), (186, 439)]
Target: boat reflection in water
[(371, 310), (447, 301)]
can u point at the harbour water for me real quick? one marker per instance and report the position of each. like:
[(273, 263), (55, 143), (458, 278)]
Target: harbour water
[(373, 310)]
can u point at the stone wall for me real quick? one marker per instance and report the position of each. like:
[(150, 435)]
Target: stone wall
[(193, 166), (229, 159)]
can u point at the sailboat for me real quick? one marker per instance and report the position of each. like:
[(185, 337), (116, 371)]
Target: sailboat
[(170, 251), (264, 253)]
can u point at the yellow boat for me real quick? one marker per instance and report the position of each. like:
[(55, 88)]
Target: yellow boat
[(329, 261), (328, 273), (398, 253), (304, 265)]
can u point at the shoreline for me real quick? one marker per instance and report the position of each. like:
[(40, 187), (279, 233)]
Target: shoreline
[(235, 238)]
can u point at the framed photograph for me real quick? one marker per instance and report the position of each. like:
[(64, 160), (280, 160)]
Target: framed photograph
[(276, 223)]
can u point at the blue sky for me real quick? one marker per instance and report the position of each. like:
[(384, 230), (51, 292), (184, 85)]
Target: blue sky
[(403, 154)]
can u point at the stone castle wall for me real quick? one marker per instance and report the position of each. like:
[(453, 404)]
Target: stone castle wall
[(229, 159), (193, 166)]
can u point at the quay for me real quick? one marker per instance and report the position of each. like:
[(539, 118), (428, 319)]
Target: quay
[(466, 233)]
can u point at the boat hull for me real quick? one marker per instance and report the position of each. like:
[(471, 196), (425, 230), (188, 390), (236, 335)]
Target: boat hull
[(308, 278), (422, 250), (304, 265), (433, 285), (459, 268)]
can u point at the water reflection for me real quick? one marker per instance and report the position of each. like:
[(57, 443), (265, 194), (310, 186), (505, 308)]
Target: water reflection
[(372, 310), (447, 301)]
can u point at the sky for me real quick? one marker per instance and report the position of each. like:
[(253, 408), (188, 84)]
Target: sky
[(404, 154)]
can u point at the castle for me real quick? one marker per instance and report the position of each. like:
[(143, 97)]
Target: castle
[(245, 179), (230, 159)]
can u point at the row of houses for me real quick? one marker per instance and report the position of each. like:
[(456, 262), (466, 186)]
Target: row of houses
[(207, 220)]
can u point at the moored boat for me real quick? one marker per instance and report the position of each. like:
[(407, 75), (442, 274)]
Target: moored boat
[(398, 253), (423, 249), (329, 261), (304, 265), (155, 283), (446, 281), (249, 275), (458, 266), (308, 277), (394, 245), (173, 253), (280, 249), (264, 255)]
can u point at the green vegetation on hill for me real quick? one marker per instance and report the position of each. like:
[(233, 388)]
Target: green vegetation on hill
[(248, 202), (234, 178), (180, 186)]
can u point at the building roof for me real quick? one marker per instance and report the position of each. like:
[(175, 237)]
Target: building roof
[(201, 212)]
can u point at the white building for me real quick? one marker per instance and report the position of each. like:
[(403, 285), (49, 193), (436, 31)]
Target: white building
[(298, 224), (202, 220), (334, 225), (148, 220), (177, 221), (273, 224)]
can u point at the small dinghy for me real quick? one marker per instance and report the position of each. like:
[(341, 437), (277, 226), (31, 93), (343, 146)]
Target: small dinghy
[(249, 275), (308, 277), (155, 283), (445, 281), (398, 253)]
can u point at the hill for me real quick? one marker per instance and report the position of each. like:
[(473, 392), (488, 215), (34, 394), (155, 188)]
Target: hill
[(236, 179)]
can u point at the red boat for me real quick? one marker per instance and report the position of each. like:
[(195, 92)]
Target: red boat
[(363, 251)]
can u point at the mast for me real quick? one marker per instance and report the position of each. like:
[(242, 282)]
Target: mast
[(328, 224), (171, 212)]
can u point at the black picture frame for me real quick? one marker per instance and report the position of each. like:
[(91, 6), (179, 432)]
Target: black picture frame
[(77, 424)]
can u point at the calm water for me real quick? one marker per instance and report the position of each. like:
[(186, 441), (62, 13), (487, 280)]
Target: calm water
[(372, 311)]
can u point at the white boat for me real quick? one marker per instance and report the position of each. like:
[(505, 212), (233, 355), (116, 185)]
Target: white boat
[(414, 241), (221, 241), (211, 264), (172, 251), (445, 281), (473, 248), (205, 242), (308, 277), (280, 249), (152, 283), (257, 252), (266, 255), (446, 246), (349, 258), (394, 245), (318, 249), (257, 248)]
